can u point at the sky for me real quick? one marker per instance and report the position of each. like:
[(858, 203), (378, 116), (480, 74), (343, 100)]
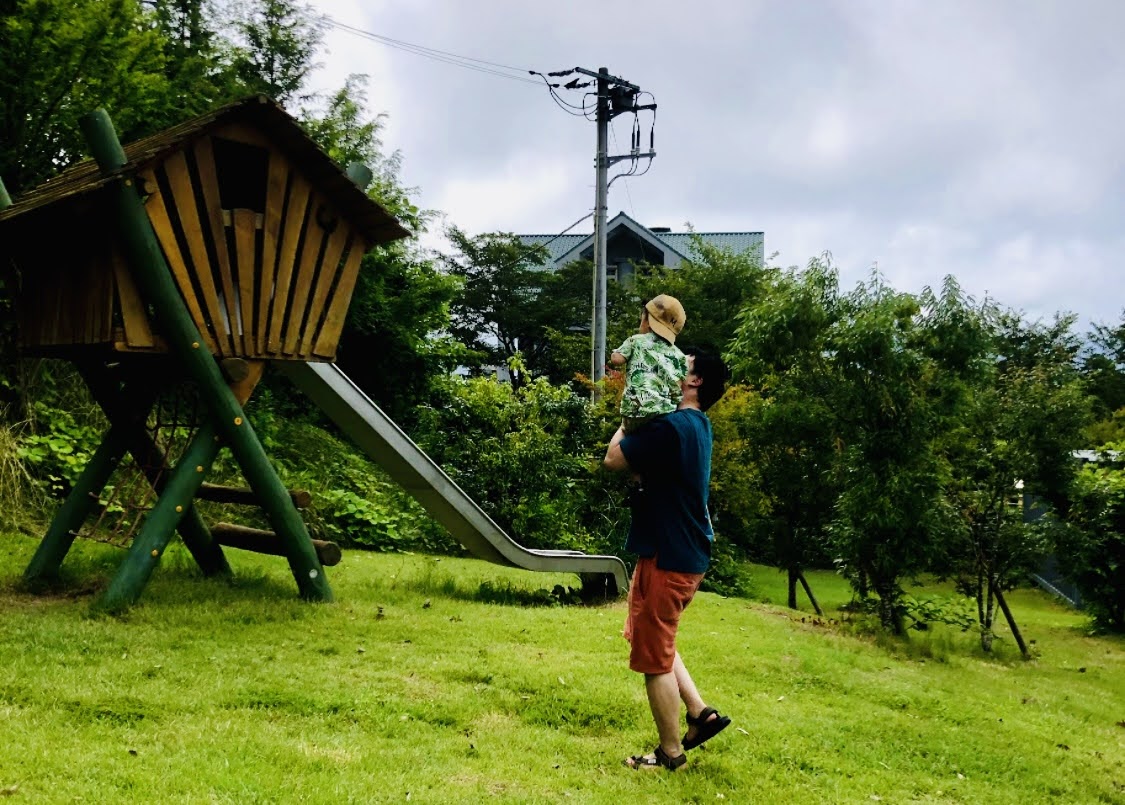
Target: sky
[(979, 138)]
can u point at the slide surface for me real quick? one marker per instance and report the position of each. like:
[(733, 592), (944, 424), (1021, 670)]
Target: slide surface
[(374, 432)]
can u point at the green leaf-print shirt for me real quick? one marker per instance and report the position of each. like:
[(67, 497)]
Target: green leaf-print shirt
[(653, 371)]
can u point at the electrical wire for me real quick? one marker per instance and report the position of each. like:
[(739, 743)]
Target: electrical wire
[(628, 194), (468, 62), (566, 106)]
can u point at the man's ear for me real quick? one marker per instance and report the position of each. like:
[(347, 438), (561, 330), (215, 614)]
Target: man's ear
[(694, 380)]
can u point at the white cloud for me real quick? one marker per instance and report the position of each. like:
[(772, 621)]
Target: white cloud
[(978, 139)]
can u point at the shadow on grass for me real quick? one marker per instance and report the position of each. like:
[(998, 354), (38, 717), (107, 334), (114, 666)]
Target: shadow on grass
[(504, 593)]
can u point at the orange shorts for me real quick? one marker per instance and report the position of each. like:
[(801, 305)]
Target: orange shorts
[(656, 600)]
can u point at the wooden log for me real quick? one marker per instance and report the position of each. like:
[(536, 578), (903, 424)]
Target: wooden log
[(260, 541), (218, 493)]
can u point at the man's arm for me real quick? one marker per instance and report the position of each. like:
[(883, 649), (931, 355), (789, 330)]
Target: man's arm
[(614, 459)]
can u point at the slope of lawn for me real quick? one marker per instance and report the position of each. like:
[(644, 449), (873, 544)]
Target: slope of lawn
[(450, 680)]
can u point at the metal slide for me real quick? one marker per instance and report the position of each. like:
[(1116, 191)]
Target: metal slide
[(378, 436)]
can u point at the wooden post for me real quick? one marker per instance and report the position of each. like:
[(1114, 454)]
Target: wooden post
[(809, 592), (1011, 620), (148, 546), (146, 262), (77, 506)]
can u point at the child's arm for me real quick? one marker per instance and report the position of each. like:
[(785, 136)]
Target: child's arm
[(620, 356)]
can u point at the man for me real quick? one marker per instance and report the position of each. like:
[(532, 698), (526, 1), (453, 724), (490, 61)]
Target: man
[(671, 534)]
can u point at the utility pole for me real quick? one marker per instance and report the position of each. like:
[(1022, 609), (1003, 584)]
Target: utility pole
[(615, 96), (601, 201)]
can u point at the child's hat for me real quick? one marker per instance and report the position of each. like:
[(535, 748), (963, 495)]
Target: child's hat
[(666, 316)]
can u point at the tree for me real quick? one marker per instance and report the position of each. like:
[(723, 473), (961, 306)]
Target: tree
[(1090, 546), (890, 517), (197, 60), (391, 345), (782, 346), (504, 306), (60, 59), (346, 132), (1021, 415), (279, 42)]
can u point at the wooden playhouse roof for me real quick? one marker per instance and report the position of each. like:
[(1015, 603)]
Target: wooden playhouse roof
[(367, 216)]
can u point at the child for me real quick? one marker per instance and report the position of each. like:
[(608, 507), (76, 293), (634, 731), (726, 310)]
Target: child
[(654, 366)]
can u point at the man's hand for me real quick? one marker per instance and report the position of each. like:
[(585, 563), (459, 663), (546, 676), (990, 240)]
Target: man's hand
[(614, 459)]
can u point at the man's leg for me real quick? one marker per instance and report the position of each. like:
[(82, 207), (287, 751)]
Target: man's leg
[(690, 696), (688, 692), (664, 702)]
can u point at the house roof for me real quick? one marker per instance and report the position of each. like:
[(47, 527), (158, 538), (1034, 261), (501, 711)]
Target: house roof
[(562, 246), (85, 177)]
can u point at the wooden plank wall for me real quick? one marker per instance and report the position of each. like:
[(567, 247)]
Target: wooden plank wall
[(270, 283), (66, 288)]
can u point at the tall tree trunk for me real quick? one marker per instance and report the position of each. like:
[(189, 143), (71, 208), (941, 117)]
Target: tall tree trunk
[(1011, 621), (793, 574), (808, 592)]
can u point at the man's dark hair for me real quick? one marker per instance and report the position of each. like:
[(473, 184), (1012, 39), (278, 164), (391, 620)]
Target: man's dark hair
[(710, 369)]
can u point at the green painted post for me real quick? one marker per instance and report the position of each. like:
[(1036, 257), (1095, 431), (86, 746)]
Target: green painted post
[(208, 553), (5, 199), (148, 545), (79, 503), (158, 288)]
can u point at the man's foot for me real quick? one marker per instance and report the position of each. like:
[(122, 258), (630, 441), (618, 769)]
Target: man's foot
[(704, 727), (658, 759)]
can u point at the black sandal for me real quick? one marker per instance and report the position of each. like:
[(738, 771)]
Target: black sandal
[(659, 758), (705, 729)]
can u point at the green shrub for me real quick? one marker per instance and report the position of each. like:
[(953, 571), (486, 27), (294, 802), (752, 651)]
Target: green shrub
[(924, 611), (530, 458), (56, 453), (1090, 548)]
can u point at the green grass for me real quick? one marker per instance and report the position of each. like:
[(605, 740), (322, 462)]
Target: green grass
[(411, 687)]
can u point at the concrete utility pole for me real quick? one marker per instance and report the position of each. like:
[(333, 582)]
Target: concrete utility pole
[(615, 96)]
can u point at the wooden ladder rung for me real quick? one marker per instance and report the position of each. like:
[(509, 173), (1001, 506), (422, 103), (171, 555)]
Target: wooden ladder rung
[(218, 493), (260, 541)]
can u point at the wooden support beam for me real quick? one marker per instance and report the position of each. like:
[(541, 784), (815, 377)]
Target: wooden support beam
[(149, 544), (78, 504), (260, 541), (83, 496), (115, 402), (218, 493)]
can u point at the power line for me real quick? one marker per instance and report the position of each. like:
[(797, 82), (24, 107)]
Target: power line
[(468, 62), (628, 195)]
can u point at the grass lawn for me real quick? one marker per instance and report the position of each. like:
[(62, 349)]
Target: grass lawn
[(417, 686)]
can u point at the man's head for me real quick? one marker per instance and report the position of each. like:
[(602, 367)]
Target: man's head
[(706, 378), (666, 316)]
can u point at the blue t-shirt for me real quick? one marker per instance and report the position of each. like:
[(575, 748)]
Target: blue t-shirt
[(670, 520)]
